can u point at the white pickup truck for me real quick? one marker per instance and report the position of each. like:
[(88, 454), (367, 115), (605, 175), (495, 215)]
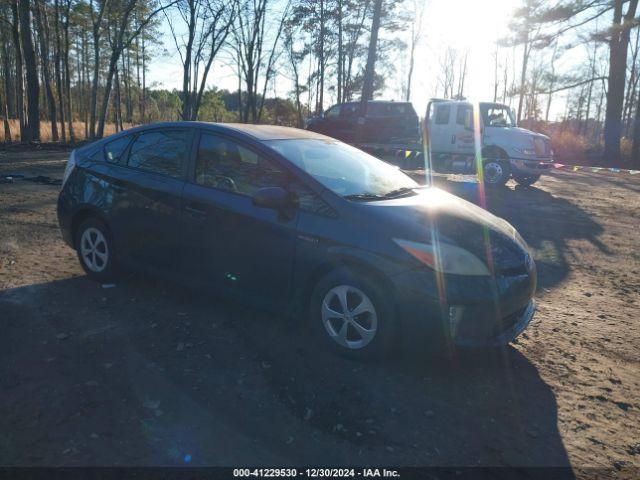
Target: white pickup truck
[(506, 150)]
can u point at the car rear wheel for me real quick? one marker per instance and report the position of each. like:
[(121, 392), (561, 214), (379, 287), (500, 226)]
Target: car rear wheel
[(95, 250), (352, 315), (526, 180)]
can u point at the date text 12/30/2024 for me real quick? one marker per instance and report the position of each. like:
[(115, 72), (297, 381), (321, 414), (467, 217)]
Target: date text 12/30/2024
[(315, 472)]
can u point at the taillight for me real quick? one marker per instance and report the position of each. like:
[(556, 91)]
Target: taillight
[(71, 163)]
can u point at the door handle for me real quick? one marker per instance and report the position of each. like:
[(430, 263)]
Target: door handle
[(195, 211), (453, 139)]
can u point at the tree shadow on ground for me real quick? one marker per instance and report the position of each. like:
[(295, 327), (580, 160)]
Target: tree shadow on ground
[(545, 221), (149, 372)]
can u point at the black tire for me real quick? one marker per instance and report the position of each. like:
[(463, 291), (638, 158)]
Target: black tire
[(526, 180), (497, 172), (101, 266), (383, 341)]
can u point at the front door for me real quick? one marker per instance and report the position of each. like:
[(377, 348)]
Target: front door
[(462, 130), (228, 241)]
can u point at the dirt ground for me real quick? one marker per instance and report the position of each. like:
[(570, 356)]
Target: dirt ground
[(153, 373)]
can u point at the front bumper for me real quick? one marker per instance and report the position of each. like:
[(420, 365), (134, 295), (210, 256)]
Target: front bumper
[(464, 311), (531, 166), (500, 331)]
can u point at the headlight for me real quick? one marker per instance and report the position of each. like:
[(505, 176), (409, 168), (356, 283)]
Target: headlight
[(525, 151), (445, 258)]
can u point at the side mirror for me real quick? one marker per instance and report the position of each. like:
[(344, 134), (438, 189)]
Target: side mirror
[(275, 198)]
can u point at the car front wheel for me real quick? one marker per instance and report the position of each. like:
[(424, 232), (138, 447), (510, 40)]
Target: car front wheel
[(95, 250), (352, 315)]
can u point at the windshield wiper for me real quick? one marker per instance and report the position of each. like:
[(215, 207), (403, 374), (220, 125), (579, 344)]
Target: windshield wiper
[(402, 191), (364, 196)]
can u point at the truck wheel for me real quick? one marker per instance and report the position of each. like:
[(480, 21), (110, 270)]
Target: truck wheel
[(526, 180), (496, 173)]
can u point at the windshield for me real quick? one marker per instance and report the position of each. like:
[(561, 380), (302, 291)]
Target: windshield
[(343, 169), (496, 115)]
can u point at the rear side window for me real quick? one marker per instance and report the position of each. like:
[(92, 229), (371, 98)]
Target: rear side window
[(377, 109), (333, 112), (226, 165), (114, 150), (442, 114), (349, 109), (161, 151), (400, 109), (390, 109)]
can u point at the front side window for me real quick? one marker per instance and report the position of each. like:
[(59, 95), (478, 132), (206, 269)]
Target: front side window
[(442, 114), (226, 165), (343, 169), (464, 115), (161, 151), (114, 150), (496, 115)]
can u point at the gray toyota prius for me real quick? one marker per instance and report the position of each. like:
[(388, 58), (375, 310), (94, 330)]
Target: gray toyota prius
[(295, 221)]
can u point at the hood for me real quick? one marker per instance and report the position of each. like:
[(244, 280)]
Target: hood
[(436, 213), (512, 136)]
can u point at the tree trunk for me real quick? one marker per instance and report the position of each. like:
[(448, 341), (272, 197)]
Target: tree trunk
[(340, 61), (43, 36), (618, 46), (9, 91), (57, 60), (144, 82), (186, 70), (321, 60), (31, 68), (369, 73), (67, 75), (635, 147), (107, 94), (19, 73), (523, 76)]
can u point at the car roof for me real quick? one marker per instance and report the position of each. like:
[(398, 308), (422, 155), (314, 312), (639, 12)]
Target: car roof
[(257, 132)]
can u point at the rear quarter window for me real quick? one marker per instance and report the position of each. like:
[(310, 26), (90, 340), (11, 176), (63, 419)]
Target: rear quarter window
[(115, 149), (442, 114)]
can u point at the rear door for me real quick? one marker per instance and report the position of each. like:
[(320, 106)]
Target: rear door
[(149, 217), (228, 241)]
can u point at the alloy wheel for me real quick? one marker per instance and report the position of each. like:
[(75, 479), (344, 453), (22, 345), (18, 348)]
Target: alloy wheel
[(349, 317), (94, 249)]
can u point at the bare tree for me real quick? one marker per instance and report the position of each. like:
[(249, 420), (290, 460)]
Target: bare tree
[(369, 72), (417, 15), (208, 24), (251, 32)]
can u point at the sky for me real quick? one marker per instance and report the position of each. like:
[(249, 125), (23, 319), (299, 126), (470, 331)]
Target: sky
[(473, 26)]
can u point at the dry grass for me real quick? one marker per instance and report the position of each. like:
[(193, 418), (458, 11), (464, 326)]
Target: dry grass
[(45, 130)]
